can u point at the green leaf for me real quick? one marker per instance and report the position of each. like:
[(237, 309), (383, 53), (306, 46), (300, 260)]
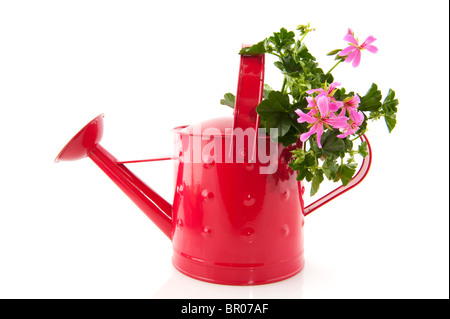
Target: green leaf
[(362, 149), (279, 121), (310, 159), (256, 49), (266, 91), (322, 77), (280, 66), (330, 168), (301, 51), (304, 163), (282, 40), (341, 95), (390, 110), (391, 121), (275, 112), (275, 102), (390, 102), (316, 181), (229, 100), (331, 143), (348, 144), (346, 172), (316, 149), (290, 65), (288, 139), (372, 100), (292, 135), (305, 174)]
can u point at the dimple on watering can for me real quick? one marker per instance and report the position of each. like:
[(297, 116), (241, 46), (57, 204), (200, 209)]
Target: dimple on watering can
[(237, 213)]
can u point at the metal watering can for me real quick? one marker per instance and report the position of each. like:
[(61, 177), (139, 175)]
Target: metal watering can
[(236, 218)]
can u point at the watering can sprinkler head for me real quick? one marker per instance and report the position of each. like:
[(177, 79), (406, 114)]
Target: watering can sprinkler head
[(84, 142)]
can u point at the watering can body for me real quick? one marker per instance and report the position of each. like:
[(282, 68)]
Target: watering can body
[(233, 224), (236, 218)]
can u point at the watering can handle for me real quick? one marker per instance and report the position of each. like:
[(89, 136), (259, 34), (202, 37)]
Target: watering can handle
[(362, 173), (249, 91)]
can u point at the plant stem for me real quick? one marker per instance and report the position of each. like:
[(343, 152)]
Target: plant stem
[(357, 136), (304, 36), (284, 84), (334, 66), (273, 53)]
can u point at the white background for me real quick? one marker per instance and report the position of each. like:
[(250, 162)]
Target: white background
[(66, 231)]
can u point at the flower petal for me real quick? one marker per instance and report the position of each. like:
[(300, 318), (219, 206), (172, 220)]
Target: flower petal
[(350, 39), (310, 101), (351, 56), (353, 102), (335, 106), (357, 117), (352, 130), (357, 59), (337, 122), (347, 50), (314, 90), (321, 94), (368, 41), (371, 48), (319, 132), (322, 104), (306, 135), (333, 86), (305, 117)]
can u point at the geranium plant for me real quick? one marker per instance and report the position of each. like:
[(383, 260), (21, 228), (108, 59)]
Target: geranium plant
[(313, 107)]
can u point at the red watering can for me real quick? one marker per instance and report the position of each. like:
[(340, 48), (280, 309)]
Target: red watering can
[(237, 213)]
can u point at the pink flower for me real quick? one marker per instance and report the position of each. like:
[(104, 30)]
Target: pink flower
[(312, 105), (320, 117), (351, 104), (333, 105), (353, 51), (326, 91), (352, 126)]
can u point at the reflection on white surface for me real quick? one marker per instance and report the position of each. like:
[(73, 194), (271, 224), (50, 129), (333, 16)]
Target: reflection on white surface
[(180, 286)]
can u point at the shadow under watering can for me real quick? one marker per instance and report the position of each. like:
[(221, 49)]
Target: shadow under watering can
[(234, 219)]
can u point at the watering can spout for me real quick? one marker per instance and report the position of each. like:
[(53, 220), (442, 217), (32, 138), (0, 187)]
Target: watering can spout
[(86, 144)]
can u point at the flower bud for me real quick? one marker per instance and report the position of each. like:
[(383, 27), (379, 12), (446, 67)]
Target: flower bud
[(334, 52)]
